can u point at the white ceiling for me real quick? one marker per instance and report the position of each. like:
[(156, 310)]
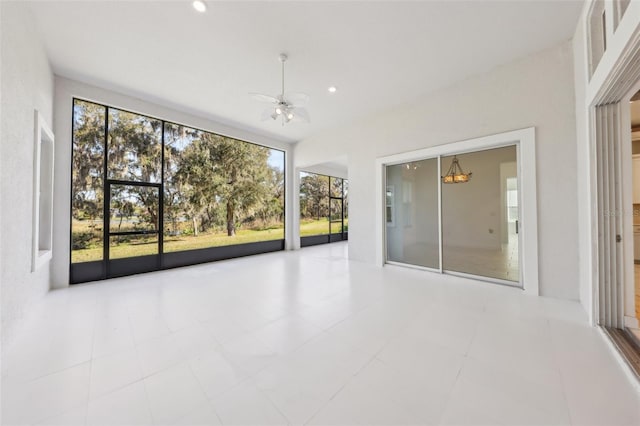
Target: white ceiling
[(379, 53)]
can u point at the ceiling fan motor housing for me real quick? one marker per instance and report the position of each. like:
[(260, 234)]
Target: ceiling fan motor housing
[(285, 108)]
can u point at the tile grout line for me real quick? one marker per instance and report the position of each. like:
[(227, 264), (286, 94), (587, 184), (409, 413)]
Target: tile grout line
[(93, 339), (466, 358), (209, 400), (273, 404), (339, 338), (556, 366), (344, 385), (135, 347)]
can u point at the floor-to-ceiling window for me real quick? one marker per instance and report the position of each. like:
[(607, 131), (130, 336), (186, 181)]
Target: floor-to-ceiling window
[(456, 213), (149, 194), (323, 209)]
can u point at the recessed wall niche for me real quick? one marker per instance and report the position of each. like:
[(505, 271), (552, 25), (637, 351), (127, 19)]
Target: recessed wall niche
[(42, 192)]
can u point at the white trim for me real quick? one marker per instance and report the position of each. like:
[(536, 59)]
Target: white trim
[(290, 194), (525, 138), (295, 208), (42, 133), (410, 266), (592, 219), (619, 45), (440, 238), (381, 221), (492, 280)]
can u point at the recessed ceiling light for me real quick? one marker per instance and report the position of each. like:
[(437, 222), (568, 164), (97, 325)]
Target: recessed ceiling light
[(199, 5), (333, 89)]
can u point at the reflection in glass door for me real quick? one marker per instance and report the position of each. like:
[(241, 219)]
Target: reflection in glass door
[(457, 214), (478, 229), (412, 213)]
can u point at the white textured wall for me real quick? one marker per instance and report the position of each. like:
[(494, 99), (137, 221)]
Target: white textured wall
[(582, 151), (328, 171), (65, 91), (535, 91), (27, 84)]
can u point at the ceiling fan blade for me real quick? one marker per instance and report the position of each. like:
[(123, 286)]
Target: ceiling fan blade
[(301, 114), (296, 99), (264, 98), (267, 114)]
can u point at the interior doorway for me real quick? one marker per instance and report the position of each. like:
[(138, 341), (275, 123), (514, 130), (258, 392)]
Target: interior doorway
[(618, 198), (617, 154)]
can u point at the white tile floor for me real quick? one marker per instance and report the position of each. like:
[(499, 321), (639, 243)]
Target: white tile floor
[(308, 337), (502, 263)]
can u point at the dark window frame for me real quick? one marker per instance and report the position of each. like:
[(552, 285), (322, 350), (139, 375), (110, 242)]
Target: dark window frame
[(81, 272), (331, 237)]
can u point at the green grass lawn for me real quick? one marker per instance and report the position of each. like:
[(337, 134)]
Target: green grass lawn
[(314, 227), (149, 245), (320, 227)]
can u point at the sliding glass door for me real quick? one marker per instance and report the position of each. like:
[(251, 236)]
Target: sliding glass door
[(479, 237), (412, 213), (456, 214)]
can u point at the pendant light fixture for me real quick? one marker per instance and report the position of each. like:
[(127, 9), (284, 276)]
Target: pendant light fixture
[(455, 174)]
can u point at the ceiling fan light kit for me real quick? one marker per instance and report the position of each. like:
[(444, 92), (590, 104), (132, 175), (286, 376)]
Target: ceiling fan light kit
[(286, 106), (200, 6)]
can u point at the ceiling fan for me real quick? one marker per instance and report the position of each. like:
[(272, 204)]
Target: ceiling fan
[(288, 107)]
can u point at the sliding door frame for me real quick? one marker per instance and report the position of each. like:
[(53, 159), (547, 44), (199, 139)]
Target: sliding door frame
[(524, 140)]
